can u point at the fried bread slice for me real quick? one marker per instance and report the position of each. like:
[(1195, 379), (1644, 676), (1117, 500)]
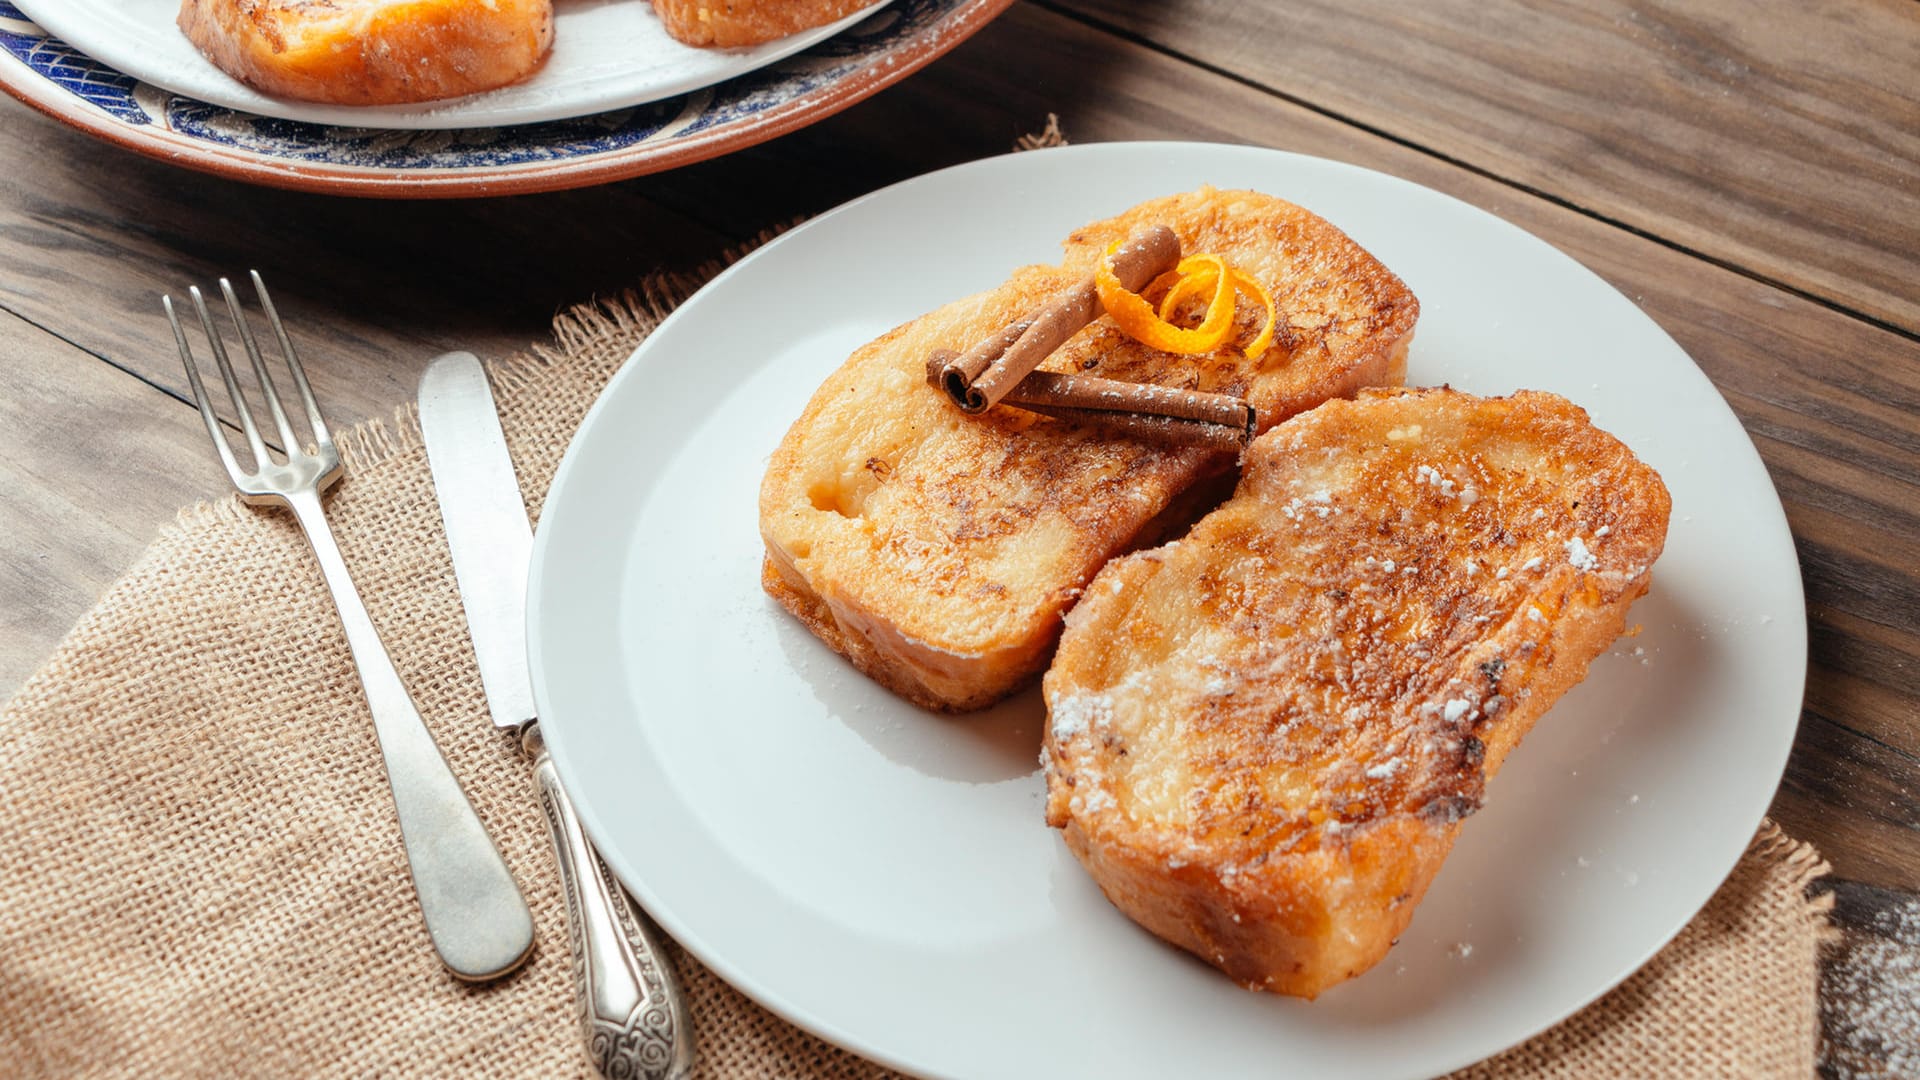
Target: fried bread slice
[(937, 551), (1263, 737), (371, 52), (729, 24)]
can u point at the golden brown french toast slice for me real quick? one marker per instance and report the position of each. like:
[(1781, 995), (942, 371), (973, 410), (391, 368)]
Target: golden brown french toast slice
[(937, 551), (737, 23), (1263, 737), (371, 52)]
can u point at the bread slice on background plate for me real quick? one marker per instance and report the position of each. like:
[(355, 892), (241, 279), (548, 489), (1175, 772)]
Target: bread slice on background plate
[(730, 24), (938, 551), (371, 52), (1264, 737)]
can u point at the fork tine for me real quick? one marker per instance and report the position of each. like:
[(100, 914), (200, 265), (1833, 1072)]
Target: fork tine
[(288, 441), (200, 394), (260, 459), (314, 419)]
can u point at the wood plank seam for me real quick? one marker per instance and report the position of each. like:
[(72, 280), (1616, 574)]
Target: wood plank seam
[(95, 353), (232, 426)]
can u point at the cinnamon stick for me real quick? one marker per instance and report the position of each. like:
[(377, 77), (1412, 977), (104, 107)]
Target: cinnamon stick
[(1171, 430), (1162, 413), (979, 378), (1087, 392)]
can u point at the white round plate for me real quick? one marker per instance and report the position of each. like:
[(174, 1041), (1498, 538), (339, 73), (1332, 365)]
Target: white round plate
[(607, 54), (881, 875)]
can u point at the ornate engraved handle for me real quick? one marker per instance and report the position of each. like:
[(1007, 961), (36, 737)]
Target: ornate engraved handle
[(633, 1016)]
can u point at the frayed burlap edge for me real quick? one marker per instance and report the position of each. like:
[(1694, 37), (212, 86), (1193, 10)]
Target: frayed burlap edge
[(1806, 865), (1043, 139)]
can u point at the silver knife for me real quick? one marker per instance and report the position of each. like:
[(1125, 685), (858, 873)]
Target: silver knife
[(633, 1015)]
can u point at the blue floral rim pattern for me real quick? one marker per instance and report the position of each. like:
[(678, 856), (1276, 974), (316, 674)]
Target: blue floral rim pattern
[(128, 101)]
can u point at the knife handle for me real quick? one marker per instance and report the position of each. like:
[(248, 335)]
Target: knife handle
[(631, 1009)]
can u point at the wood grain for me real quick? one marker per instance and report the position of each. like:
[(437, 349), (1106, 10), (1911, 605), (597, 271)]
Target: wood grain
[(370, 290), (82, 498), (1854, 799), (1776, 137)]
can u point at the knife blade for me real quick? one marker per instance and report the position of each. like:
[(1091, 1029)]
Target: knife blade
[(487, 529), (634, 1018)]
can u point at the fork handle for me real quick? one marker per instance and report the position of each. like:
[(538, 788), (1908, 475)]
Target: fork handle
[(633, 1016), (479, 922)]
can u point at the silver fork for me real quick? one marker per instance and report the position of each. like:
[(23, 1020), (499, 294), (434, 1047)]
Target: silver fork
[(474, 912)]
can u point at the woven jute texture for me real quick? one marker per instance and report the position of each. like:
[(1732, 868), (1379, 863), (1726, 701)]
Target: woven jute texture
[(201, 875)]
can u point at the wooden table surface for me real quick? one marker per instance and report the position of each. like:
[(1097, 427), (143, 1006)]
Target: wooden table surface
[(1748, 173)]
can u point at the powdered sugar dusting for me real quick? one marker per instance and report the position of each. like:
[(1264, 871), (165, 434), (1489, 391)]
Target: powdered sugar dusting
[(1075, 714), (1427, 474), (1092, 802), (1579, 556), (1870, 999), (1217, 678), (1320, 502), (1385, 770)]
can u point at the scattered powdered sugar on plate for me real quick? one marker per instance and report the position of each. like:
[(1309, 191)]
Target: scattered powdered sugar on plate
[(1870, 999)]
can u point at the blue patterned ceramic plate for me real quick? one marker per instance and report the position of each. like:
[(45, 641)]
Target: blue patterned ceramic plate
[(607, 54), (48, 74)]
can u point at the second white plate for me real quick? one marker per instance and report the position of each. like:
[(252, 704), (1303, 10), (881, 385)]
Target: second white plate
[(607, 54), (883, 876)]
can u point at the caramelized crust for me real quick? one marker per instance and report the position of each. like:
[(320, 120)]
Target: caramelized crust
[(1263, 737), (937, 551), (735, 23), (371, 52)]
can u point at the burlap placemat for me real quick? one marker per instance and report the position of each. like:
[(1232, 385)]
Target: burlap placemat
[(200, 874)]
